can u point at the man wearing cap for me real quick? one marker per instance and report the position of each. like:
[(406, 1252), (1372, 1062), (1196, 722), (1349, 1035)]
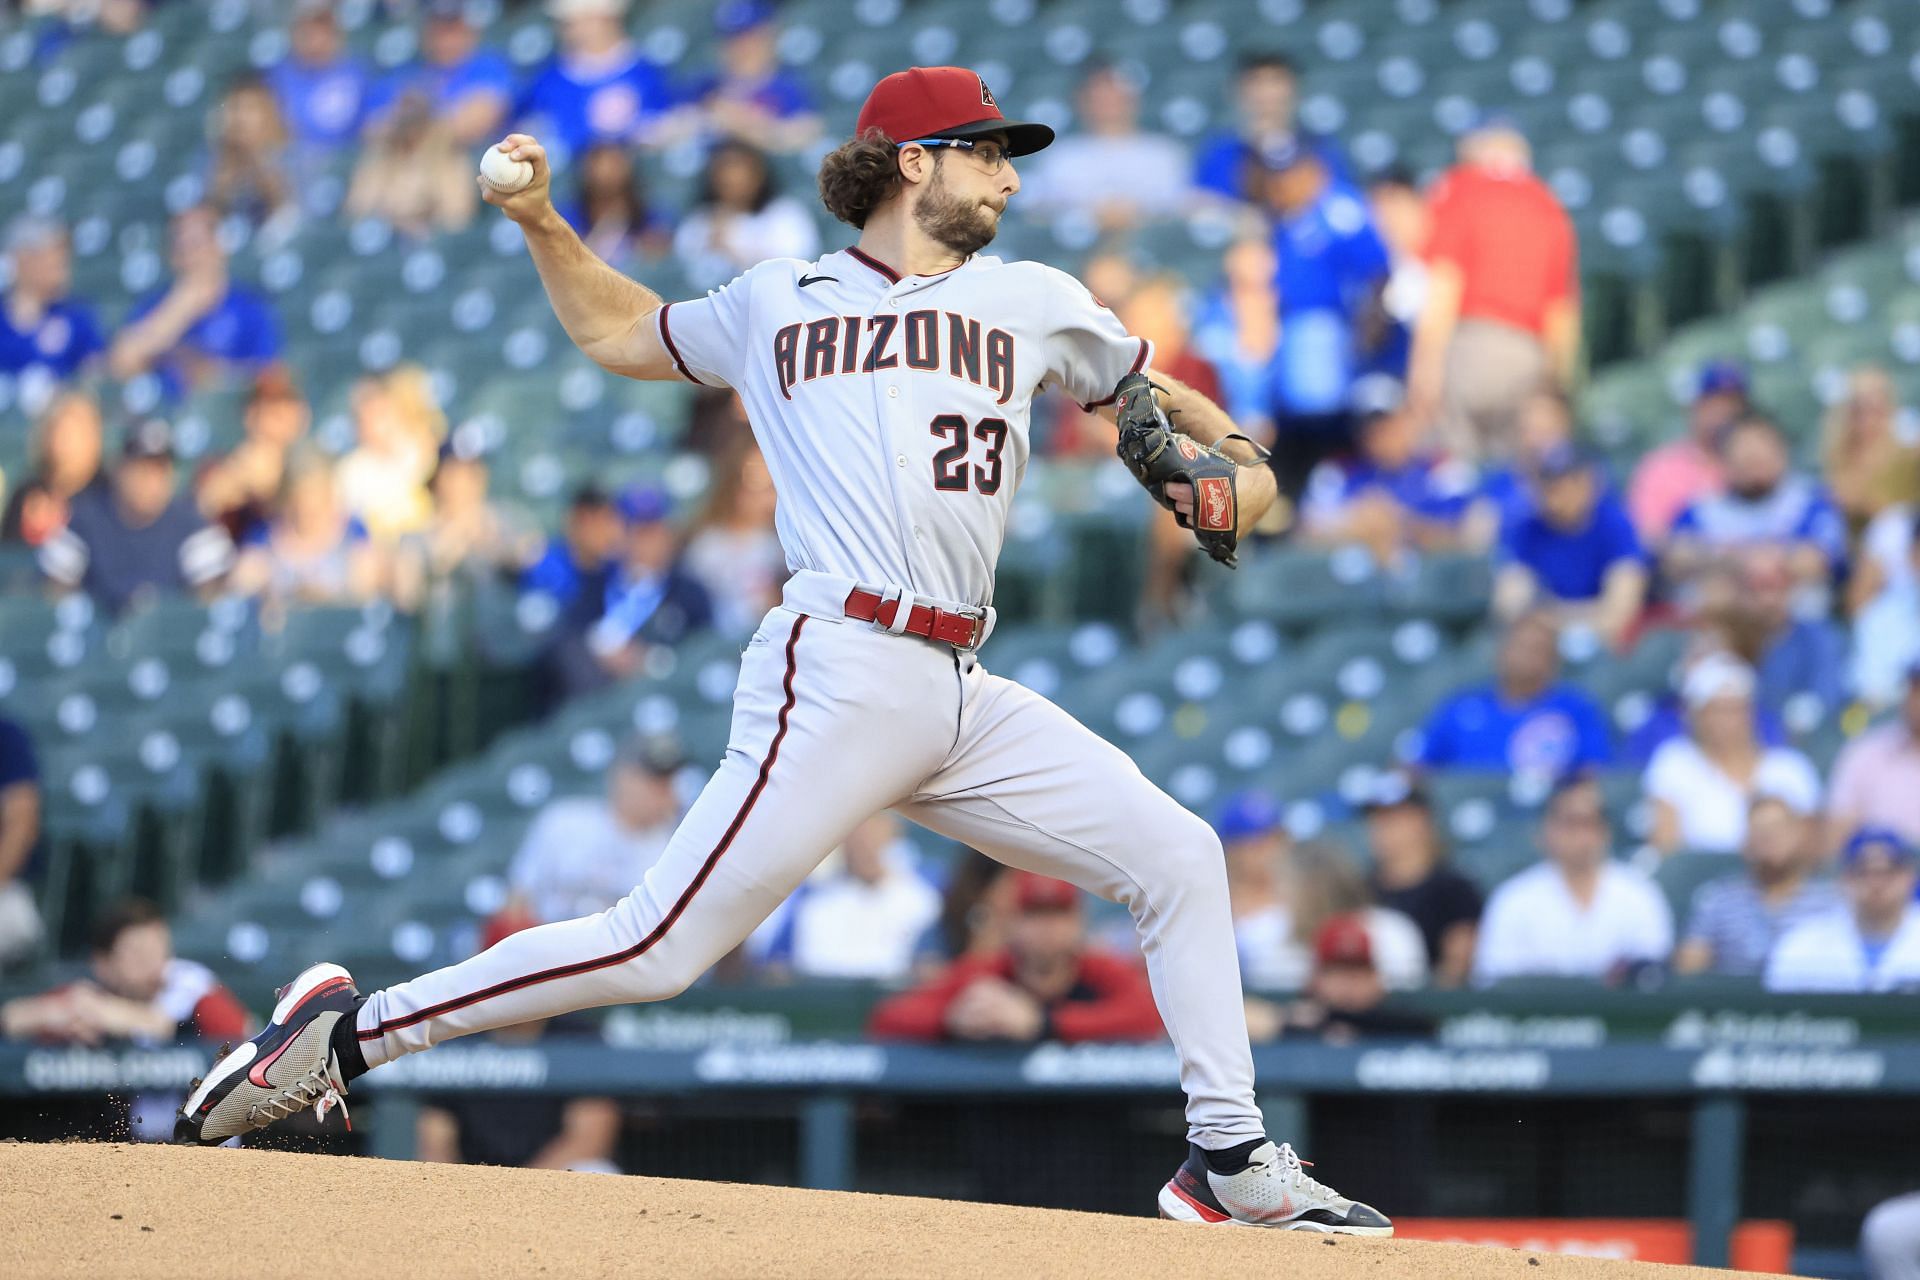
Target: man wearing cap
[(1873, 945), (1876, 778), (1680, 473), (1502, 313), (1574, 554), (41, 324), (1343, 995), (890, 388), (1577, 913), (584, 853), (750, 95), (599, 86), (137, 537)]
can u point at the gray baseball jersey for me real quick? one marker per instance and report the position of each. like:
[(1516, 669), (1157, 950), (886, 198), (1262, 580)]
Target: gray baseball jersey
[(894, 412)]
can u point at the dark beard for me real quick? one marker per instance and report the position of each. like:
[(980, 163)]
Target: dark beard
[(948, 221)]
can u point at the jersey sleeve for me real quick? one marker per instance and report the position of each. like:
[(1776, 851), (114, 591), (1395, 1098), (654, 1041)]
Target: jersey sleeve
[(1088, 349), (707, 337)]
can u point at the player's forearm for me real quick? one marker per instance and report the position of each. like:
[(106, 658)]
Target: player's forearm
[(1561, 337), (1195, 415), (598, 307)]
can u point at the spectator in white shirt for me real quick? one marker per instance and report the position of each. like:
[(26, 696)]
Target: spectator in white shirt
[(585, 853), (1578, 913), (862, 920), (1874, 945), (1094, 171), (742, 219), (1701, 785)]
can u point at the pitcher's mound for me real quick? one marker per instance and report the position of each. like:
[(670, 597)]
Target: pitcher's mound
[(134, 1211)]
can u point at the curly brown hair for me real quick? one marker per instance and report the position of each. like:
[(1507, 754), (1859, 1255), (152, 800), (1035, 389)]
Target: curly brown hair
[(860, 176)]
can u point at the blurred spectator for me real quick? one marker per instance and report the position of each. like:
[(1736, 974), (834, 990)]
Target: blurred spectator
[(1702, 784), (1577, 913), (1735, 920), (1873, 945), (1257, 851), (203, 327), (1574, 555), (1392, 497), (249, 174), (1332, 268), (584, 853), (1237, 331), (413, 173), (1322, 880), (864, 917), (137, 990), (468, 536), (68, 465), (1343, 997), (577, 565), (1543, 427), (750, 95), (734, 552), (20, 928), (1266, 91), (1766, 509), (311, 551), (139, 535), (598, 88), (114, 17), (1410, 876), (42, 325), (467, 86), (1884, 592), (383, 478), (1526, 721), (522, 1131), (323, 89), (717, 424), (650, 599), (1400, 214), (1502, 313), (1152, 306), (976, 911), (1682, 472), (1048, 984), (1094, 170), (741, 219), (1793, 655), (1867, 463), (239, 490), (612, 214), (1876, 777)]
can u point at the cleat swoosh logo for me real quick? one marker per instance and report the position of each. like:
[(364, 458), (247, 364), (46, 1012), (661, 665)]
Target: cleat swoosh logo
[(258, 1075)]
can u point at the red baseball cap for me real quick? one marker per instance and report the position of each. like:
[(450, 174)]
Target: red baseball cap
[(1043, 893), (944, 102), (1343, 940)]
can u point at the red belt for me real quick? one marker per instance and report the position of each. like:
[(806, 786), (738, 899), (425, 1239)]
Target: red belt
[(961, 630)]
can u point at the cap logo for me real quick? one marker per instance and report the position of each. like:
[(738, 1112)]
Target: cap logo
[(986, 97)]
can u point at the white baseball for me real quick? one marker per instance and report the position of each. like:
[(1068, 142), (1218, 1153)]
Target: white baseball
[(503, 172)]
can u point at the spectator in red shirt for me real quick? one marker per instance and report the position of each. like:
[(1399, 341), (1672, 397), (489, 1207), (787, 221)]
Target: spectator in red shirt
[(137, 990), (1048, 984), (1502, 312)]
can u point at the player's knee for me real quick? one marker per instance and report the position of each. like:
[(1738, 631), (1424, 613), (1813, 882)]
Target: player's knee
[(1189, 852)]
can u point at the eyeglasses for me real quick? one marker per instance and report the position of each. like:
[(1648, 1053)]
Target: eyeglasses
[(989, 153)]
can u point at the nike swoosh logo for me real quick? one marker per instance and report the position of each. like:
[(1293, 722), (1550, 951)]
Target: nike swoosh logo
[(258, 1075), (807, 280)]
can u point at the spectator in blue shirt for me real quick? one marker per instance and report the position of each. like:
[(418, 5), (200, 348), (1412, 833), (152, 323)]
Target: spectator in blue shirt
[(577, 565), (598, 88), (1575, 556), (1332, 267), (750, 95), (1543, 425), (1526, 721), (202, 328), (1765, 507), (1237, 331), (468, 86), (42, 326), (323, 90), (1392, 497), (1266, 93)]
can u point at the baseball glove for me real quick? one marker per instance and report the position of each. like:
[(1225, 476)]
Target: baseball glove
[(1158, 455)]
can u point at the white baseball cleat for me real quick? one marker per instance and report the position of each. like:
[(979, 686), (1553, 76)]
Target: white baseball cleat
[(286, 1068), (1274, 1191)]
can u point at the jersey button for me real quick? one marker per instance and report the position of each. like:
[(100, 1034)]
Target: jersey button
[(900, 461), (893, 393)]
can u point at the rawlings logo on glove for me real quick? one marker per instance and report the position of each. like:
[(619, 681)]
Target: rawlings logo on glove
[(1158, 455)]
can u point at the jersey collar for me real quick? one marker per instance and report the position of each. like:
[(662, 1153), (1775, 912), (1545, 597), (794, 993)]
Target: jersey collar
[(893, 277)]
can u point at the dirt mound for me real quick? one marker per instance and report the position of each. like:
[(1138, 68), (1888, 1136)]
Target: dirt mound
[(143, 1211)]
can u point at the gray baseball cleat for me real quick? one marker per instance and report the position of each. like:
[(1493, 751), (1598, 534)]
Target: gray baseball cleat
[(288, 1067), (1274, 1191)]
